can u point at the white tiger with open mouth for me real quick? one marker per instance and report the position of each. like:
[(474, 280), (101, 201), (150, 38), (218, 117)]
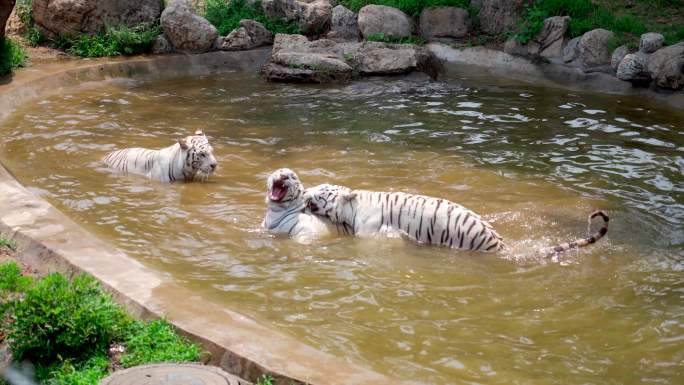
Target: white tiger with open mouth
[(189, 157), (421, 218), (286, 214)]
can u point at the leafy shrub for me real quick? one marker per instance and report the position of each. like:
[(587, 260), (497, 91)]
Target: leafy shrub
[(88, 372), (119, 40), (410, 7), (11, 56), (226, 16), (156, 341), (59, 320)]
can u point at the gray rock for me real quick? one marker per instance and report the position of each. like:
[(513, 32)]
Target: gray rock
[(651, 42), (186, 31), (666, 67), (250, 34), (593, 50), (617, 56), (497, 16), (514, 47), (571, 50), (343, 25), (161, 45), (72, 17), (634, 68), (379, 19), (549, 41), (312, 17), (444, 22), (295, 58)]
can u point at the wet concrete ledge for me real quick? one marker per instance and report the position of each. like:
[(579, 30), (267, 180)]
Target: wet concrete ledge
[(49, 241), (482, 62)]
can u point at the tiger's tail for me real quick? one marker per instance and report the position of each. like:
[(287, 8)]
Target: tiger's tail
[(554, 250)]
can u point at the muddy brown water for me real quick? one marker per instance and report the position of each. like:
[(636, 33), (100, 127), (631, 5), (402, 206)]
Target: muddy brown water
[(533, 161)]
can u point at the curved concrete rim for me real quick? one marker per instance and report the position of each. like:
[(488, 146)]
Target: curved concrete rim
[(50, 241)]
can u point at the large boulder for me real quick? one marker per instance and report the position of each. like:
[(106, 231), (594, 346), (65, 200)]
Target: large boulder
[(185, 30), (549, 41), (513, 47), (634, 68), (388, 21), (497, 16), (593, 50), (617, 56), (651, 42), (571, 50), (296, 59), (666, 67), (250, 34), (444, 22), (6, 7), (343, 25), (312, 17), (72, 17)]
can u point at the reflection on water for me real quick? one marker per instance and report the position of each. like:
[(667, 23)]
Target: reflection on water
[(534, 162)]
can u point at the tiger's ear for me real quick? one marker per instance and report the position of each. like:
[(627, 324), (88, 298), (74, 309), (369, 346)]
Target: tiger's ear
[(199, 132), (183, 143), (349, 196)]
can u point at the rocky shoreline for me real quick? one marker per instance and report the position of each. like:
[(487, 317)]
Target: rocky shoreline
[(338, 45)]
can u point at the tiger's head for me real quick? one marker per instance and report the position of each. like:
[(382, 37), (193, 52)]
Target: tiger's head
[(284, 187), (328, 200), (199, 155)]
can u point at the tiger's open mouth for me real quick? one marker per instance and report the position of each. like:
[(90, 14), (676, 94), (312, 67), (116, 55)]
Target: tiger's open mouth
[(278, 191)]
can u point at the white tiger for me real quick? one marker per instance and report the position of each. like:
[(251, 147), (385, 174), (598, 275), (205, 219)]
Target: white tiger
[(286, 214), (183, 160), (421, 218)]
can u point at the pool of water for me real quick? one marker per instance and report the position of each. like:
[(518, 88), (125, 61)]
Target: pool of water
[(533, 161)]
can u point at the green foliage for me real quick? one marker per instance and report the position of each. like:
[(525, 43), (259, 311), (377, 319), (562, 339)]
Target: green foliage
[(119, 40), (8, 243), (12, 55), (226, 16), (404, 40), (59, 320), (673, 34), (88, 372), (410, 7), (156, 341), (265, 380)]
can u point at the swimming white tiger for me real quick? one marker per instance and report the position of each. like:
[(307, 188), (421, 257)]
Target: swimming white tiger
[(183, 160), (286, 214), (421, 218)]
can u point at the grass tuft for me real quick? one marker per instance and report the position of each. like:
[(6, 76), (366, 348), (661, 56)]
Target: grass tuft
[(119, 40), (226, 16), (12, 55)]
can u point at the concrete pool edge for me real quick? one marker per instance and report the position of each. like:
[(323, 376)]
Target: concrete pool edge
[(489, 62), (49, 241)]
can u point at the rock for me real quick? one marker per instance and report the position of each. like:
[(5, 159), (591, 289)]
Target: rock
[(444, 22), (15, 24), (549, 41), (294, 58), (250, 34), (6, 8), (617, 56), (72, 17), (161, 45), (497, 16), (379, 19), (343, 25), (186, 31), (634, 68), (312, 17), (666, 67), (651, 42), (593, 49), (571, 50), (514, 47)]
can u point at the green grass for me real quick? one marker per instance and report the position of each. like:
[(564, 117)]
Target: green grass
[(226, 16), (66, 327), (404, 40), (587, 15), (410, 7), (115, 41), (265, 380), (8, 243), (12, 55)]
